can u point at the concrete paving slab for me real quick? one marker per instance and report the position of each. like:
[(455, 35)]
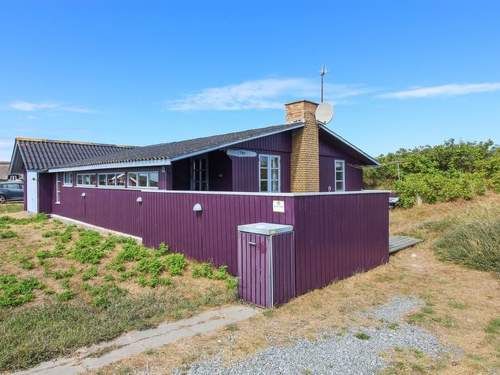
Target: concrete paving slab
[(136, 342)]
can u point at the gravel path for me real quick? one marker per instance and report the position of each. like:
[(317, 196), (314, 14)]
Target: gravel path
[(349, 353)]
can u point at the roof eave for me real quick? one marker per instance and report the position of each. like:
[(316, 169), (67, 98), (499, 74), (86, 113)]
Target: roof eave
[(117, 165)]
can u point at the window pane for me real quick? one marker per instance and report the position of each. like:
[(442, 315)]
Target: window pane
[(263, 161), (263, 185), (153, 179), (339, 175), (132, 179), (274, 162), (263, 173), (86, 179), (79, 179), (93, 179), (120, 179), (143, 180), (275, 186), (339, 186), (102, 180), (111, 179), (275, 174)]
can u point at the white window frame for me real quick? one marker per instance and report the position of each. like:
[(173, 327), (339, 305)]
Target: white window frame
[(84, 184), (70, 183), (58, 188), (335, 174), (115, 186), (147, 181), (269, 173), (194, 173)]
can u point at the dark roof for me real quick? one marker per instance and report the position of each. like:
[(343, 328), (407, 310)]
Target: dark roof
[(41, 154), (181, 149)]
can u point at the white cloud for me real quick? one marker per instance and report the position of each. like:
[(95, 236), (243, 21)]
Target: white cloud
[(33, 107), (269, 93), (453, 89)]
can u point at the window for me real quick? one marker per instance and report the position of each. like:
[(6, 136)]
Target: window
[(111, 179), (339, 175), (141, 179), (199, 173), (269, 173), (58, 188), (68, 179), (86, 179)]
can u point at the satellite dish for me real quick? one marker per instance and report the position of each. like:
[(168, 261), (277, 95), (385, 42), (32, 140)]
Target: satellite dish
[(324, 113)]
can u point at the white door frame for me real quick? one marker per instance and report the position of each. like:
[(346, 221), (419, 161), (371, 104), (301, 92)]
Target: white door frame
[(32, 191)]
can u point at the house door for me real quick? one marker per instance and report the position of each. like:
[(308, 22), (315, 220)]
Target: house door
[(32, 191)]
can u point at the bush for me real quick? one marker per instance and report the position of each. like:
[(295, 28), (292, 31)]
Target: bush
[(153, 266), (202, 270), (208, 271), (16, 291), (132, 251), (438, 187), (475, 244), (175, 263), (91, 248), (440, 173)]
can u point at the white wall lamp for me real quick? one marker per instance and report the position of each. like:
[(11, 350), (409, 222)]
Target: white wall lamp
[(139, 200), (197, 208)]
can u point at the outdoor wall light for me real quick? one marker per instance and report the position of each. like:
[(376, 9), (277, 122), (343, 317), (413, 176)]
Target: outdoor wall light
[(139, 200), (83, 195), (197, 208)]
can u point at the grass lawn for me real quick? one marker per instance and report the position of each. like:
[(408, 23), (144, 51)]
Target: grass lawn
[(11, 207), (461, 300), (62, 288)]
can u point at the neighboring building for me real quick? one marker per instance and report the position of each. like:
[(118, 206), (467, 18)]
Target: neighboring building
[(4, 170), (300, 173)]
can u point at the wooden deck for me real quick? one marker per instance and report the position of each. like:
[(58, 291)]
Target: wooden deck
[(397, 243)]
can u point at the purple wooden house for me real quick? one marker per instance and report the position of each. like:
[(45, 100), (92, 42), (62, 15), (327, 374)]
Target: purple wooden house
[(195, 194)]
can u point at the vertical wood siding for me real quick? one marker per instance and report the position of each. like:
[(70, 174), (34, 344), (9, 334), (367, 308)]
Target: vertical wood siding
[(339, 235), (283, 247), (335, 235), (253, 269)]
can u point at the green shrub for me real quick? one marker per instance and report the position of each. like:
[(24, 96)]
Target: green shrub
[(6, 234), (153, 266), (91, 248), (475, 244), (132, 251), (232, 283), (439, 173), (17, 291), (202, 270), (163, 249), (175, 263)]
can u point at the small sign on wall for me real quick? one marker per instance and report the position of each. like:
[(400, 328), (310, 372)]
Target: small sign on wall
[(278, 206)]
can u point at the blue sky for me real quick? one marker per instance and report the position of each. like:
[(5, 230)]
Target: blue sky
[(401, 73)]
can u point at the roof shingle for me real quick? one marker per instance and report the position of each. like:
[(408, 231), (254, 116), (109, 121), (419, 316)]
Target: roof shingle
[(178, 150), (41, 154)]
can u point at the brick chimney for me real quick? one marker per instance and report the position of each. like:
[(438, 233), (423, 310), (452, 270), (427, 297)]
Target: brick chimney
[(305, 147)]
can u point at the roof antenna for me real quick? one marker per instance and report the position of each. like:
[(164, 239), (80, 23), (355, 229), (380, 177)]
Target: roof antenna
[(324, 111), (322, 74)]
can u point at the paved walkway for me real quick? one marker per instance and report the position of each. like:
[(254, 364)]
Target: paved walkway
[(136, 342)]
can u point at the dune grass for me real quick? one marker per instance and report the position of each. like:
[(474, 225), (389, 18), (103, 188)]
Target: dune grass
[(63, 287)]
